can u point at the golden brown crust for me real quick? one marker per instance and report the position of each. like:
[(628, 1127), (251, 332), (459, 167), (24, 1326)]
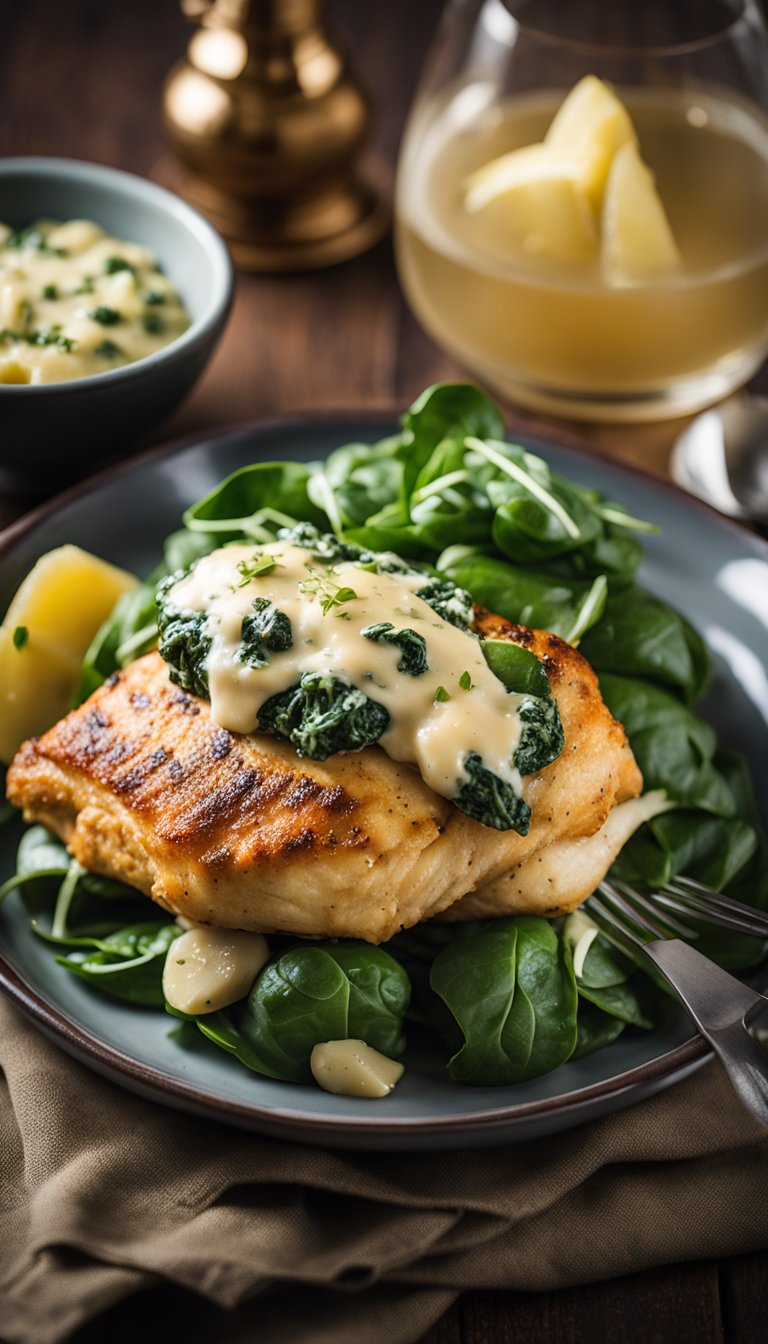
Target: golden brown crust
[(240, 831)]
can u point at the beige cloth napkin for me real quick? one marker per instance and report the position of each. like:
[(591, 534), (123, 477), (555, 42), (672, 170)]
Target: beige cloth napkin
[(104, 1194)]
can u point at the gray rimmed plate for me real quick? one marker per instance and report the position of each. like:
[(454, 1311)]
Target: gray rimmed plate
[(712, 570)]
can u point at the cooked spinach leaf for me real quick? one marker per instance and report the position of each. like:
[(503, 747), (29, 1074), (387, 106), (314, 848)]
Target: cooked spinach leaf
[(541, 735), (491, 800), (412, 646), (265, 630), (450, 601), (322, 715), (184, 643)]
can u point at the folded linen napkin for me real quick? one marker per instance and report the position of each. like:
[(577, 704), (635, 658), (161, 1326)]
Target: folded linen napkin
[(104, 1194)]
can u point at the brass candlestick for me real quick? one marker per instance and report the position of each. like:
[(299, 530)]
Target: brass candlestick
[(269, 121)]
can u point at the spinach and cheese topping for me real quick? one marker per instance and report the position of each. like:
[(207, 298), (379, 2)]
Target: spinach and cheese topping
[(75, 301), (335, 648)]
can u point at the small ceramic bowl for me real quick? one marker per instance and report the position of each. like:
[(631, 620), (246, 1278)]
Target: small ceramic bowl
[(55, 432)]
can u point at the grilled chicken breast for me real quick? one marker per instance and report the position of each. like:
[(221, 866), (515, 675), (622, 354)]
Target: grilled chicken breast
[(240, 831)]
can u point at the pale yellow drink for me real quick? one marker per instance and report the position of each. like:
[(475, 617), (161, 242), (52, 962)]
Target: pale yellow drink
[(554, 334)]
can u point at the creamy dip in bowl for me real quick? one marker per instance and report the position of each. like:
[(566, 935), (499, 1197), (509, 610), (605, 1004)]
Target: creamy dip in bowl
[(74, 301), (156, 282)]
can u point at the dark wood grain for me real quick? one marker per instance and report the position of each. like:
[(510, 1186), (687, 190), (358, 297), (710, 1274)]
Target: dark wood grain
[(84, 79)]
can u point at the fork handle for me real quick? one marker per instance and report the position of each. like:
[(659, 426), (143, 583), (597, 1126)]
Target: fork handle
[(717, 1003)]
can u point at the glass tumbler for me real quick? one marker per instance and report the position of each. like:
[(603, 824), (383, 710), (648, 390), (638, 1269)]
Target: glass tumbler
[(558, 335)]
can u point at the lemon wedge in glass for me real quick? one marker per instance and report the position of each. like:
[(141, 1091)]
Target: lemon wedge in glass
[(638, 243), (51, 621), (589, 128), (539, 198)]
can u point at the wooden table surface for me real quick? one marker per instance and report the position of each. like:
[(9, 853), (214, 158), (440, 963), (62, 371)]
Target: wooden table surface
[(83, 79)]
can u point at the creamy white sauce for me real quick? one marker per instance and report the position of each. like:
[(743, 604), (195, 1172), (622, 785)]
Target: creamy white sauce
[(75, 301), (434, 735)]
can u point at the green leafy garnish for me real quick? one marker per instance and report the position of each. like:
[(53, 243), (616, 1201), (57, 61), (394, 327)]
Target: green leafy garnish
[(45, 336), (20, 637), (152, 323), (465, 681), (108, 349), (35, 240), (441, 695), (114, 264), (106, 317), (330, 594), (256, 568)]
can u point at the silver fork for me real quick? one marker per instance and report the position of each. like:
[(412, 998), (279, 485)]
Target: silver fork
[(732, 1017)]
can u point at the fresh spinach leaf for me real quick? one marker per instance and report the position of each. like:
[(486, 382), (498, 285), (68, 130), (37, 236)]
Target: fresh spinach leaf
[(512, 992), (128, 964), (527, 596), (517, 667), (362, 479), (445, 411), (222, 1029), (638, 635), (129, 631), (254, 501), (38, 856), (325, 992), (673, 747), (596, 1030)]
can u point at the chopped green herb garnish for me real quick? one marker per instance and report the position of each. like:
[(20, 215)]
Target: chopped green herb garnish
[(20, 636), (108, 350), (114, 264), (107, 317), (26, 311), (152, 323), (254, 569), (36, 240), (330, 593), (87, 285), (465, 681), (440, 695), (50, 292), (45, 336), (153, 296)]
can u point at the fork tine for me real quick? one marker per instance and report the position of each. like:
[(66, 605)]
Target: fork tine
[(612, 925), (630, 903), (659, 906), (716, 907)]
